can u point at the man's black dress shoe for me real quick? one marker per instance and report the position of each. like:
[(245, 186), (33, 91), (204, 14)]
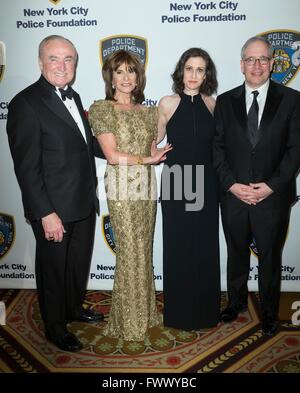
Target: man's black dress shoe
[(231, 312), (269, 326), (67, 342), (88, 315)]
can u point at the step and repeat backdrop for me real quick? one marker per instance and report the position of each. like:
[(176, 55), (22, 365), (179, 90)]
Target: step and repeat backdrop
[(158, 31)]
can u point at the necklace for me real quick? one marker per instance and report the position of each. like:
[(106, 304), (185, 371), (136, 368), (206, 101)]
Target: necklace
[(125, 106)]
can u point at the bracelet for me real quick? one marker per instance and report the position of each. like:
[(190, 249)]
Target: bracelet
[(139, 160)]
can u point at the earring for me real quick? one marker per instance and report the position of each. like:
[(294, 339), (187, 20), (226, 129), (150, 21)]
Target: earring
[(113, 86)]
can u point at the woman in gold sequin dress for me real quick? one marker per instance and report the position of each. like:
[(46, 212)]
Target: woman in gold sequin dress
[(126, 131)]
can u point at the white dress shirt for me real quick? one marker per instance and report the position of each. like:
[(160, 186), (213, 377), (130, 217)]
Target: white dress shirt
[(261, 98), (72, 108)]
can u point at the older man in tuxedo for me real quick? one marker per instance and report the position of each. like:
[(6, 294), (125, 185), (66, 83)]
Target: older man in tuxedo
[(53, 152), (257, 157)]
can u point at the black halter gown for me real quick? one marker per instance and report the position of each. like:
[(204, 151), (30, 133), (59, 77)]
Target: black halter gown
[(191, 269)]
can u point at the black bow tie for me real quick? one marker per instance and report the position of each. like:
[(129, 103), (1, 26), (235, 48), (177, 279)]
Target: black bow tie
[(68, 93)]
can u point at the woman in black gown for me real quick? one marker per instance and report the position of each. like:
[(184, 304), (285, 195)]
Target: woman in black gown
[(190, 226)]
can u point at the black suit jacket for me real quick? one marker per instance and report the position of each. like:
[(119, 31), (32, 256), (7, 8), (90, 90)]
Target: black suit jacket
[(275, 159), (54, 165)]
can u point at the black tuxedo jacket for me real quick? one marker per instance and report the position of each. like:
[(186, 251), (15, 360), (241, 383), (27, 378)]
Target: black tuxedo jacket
[(275, 159), (54, 165)]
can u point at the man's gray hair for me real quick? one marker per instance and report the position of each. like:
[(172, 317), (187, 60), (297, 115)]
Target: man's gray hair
[(255, 39), (52, 38)]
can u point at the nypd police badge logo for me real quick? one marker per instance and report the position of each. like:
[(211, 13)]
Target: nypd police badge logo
[(286, 44), (7, 233), (2, 59), (108, 233), (131, 43), (55, 1), (253, 247)]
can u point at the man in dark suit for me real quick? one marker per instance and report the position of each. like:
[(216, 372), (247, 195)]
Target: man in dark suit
[(53, 152), (257, 157)]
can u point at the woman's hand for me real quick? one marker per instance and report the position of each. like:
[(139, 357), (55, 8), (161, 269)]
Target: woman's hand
[(159, 154)]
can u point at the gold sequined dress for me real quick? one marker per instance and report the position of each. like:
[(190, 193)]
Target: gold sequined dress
[(131, 199)]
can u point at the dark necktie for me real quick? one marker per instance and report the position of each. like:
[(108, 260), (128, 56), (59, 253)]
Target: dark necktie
[(253, 119), (68, 93)]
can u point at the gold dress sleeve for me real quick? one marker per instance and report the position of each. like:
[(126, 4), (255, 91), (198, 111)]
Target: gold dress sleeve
[(102, 117), (154, 120)]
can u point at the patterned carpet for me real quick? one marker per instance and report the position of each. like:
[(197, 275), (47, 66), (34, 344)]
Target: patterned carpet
[(238, 347)]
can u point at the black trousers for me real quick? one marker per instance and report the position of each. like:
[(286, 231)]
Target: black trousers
[(268, 226), (62, 271)]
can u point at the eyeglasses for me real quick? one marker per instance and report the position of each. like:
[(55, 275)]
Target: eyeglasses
[(263, 60)]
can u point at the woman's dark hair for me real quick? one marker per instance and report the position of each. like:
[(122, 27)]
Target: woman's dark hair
[(113, 62), (209, 84)]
